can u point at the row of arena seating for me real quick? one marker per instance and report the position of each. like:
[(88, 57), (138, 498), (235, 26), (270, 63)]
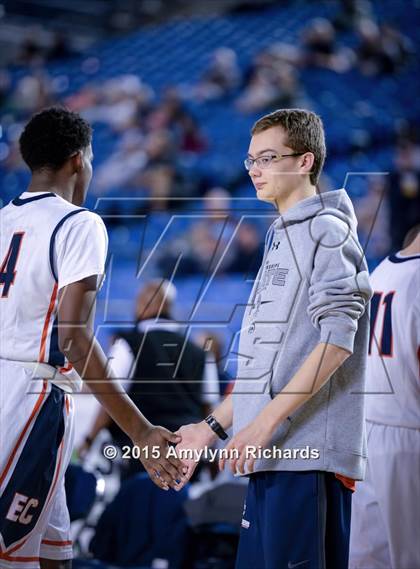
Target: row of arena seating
[(178, 53)]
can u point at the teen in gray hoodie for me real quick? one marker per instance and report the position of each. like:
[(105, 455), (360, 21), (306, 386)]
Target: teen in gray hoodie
[(297, 407), (312, 287)]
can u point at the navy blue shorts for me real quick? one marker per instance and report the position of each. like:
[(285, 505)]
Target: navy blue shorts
[(295, 519)]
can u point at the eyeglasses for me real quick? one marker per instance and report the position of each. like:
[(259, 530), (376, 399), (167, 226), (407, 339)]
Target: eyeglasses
[(264, 162)]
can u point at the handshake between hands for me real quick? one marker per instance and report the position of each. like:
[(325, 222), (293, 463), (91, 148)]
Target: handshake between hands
[(165, 468), (169, 471)]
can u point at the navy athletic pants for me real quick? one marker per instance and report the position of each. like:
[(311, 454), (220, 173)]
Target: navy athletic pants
[(295, 519)]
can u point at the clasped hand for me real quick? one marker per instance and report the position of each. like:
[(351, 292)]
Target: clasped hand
[(197, 436)]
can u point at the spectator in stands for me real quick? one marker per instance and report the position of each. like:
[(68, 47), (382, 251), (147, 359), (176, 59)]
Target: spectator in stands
[(160, 368), (352, 13), (191, 253), (87, 97), (59, 47), (40, 46), (171, 115), (31, 51), (208, 244), (123, 165), (119, 102), (271, 81), (159, 171), (382, 49), (396, 47), (319, 42), (248, 251), (282, 52), (372, 212), (190, 138), (217, 204), (32, 93), (404, 191), (319, 47), (221, 78), (147, 166), (151, 139), (167, 113), (216, 243)]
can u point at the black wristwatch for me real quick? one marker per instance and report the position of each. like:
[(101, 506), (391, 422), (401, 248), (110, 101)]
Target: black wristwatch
[(216, 427)]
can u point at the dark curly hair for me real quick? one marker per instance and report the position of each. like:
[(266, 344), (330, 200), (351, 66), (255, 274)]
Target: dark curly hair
[(52, 136)]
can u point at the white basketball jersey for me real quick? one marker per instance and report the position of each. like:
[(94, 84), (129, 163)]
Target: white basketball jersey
[(393, 378), (46, 243)]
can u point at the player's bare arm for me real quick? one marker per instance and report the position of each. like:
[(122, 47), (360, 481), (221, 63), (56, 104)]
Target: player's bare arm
[(77, 342)]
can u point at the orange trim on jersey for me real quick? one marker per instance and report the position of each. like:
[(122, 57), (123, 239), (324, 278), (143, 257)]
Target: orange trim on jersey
[(57, 543), (7, 557), (25, 428), (348, 482), (42, 348), (66, 368), (19, 545), (66, 399), (229, 388), (57, 472)]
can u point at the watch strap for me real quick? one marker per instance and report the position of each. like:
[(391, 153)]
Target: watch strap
[(216, 427)]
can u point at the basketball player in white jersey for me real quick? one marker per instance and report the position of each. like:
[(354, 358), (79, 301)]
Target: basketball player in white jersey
[(386, 505), (52, 257)]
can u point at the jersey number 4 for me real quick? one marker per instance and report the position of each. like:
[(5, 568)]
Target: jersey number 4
[(8, 267), (385, 342)]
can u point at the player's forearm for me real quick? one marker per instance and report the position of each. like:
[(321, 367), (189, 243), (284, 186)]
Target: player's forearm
[(315, 371), (88, 359), (223, 415)]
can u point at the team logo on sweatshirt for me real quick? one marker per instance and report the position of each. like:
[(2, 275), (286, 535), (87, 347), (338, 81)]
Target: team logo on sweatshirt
[(279, 277), (274, 274)]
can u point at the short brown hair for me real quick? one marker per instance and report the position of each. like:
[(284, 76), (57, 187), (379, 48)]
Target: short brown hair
[(305, 133)]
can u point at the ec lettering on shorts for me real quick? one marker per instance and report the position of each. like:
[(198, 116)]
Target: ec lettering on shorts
[(20, 507)]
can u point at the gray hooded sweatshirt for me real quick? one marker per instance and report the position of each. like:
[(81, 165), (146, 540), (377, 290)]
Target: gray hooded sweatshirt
[(312, 287)]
